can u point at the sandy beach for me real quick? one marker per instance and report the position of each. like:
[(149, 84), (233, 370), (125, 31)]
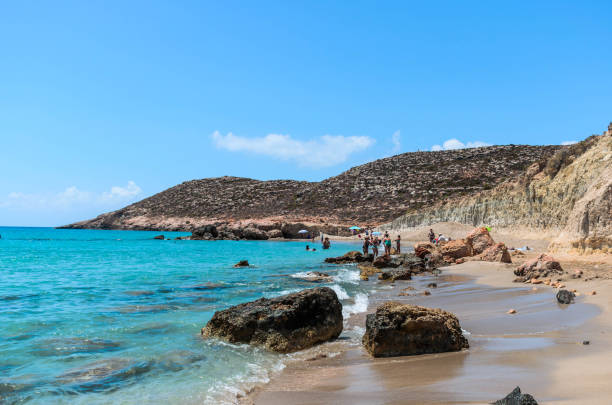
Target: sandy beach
[(558, 353)]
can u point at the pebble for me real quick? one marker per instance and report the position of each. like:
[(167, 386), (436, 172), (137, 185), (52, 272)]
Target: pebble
[(593, 293), (426, 292), (586, 342), (512, 311)]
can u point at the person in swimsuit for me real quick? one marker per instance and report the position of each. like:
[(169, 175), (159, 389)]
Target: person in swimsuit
[(397, 245), (387, 244), (326, 243), (366, 245), (375, 244), (432, 236)]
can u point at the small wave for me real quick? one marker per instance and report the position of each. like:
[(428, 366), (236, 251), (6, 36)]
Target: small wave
[(340, 292), (347, 276), (360, 305)]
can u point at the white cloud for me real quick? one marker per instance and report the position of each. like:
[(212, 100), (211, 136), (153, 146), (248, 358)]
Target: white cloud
[(396, 140), (116, 192), (72, 197), (568, 142), (325, 151), (454, 143)]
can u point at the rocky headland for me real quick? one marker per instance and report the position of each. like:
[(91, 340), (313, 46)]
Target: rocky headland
[(370, 194)]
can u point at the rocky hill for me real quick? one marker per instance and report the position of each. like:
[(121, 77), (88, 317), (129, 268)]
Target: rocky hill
[(568, 196), (370, 194)]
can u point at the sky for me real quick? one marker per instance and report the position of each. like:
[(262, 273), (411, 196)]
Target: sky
[(103, 103)]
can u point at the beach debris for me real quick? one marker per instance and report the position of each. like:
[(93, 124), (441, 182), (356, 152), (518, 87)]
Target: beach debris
[(516, 398), (540, 267), (159, 237), (283, 324), (511, 311), (565, 297), (396, 329), (317, 357), (577, 274), (242, 263)]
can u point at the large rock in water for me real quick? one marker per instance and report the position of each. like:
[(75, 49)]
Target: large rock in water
[(400, 330), (283, 324), (480, 240), (349, 257)]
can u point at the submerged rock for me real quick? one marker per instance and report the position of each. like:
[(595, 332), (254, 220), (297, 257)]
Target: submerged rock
[(242, 263), (349, 257), (516, 398), (316, 276), (159, 237), (283, 324), (396, 329), (565, 297)]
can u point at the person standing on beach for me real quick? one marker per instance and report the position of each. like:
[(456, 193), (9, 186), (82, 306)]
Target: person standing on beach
[(432, 236), (397, 245), (375, 244), (326, 243), (387, 244), (366, 245)]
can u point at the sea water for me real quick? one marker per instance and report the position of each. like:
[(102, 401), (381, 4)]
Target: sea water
[(90, 316)]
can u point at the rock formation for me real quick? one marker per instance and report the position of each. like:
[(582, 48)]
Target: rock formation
[(396, 329), (284, 324), (516, 398), (539, 267), (568, 195)]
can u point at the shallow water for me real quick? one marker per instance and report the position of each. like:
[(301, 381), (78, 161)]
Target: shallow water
[(114, 316)]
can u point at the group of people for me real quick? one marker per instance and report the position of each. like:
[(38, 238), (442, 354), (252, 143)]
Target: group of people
[(374, 241), (440, 238)]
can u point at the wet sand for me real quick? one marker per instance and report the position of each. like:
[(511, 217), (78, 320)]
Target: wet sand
[(540, 348)]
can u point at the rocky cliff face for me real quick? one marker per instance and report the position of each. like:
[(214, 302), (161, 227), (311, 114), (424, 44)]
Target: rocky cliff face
[(370, 194), (569, 195)]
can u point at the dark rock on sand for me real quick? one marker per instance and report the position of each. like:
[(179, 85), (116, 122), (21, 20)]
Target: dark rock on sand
[(283, 324), (400, 330), (516, 398), (542, 266), (350, 257), (565, 297), (384, 261), (398, 274), (242, 263), (159, 237)]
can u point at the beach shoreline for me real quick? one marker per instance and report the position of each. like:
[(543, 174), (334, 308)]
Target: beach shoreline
[(540, 348)]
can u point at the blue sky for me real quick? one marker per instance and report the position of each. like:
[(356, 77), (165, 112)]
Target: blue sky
[(103, 103)]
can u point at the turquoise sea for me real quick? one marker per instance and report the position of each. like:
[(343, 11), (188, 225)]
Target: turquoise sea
[(114, 317)]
